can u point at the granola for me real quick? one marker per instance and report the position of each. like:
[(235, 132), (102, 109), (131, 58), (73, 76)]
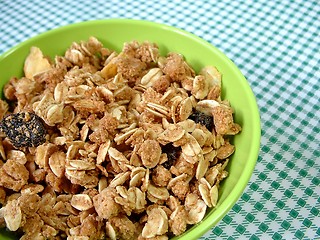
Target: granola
[(116, 145)]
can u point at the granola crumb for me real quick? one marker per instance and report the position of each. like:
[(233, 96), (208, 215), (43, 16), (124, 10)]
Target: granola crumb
[(161, 176), (14, 175), (103, 144)]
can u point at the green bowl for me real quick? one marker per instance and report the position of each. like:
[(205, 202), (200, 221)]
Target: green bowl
[(198, 53)]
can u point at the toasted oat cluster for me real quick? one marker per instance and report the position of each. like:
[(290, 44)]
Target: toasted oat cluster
[(135, 144)]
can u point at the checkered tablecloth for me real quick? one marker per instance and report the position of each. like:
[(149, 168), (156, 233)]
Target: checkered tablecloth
[(276, 45)]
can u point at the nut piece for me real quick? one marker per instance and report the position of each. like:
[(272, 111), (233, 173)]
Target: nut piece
[(158, 192), (150, 152), (120, 145), (192, 147), (35, 63), (213, 78), (200, 87), (206, 106), (42, 154), (157, 223), (172, 134), (225, 150), (57, 163), (18, 156), (102, 152), (196, 208), (151, 77), (12, 215), (81, 202), (178, 221), (214, 195)]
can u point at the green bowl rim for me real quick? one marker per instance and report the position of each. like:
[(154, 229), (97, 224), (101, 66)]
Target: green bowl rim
[(209, 221)]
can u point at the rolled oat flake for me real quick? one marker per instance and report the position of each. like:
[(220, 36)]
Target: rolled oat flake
[(23, 129)]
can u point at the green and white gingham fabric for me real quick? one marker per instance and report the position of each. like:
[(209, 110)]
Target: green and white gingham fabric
[(276, 44)]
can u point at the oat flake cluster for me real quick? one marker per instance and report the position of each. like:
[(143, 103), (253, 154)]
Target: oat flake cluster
[(122, 159)]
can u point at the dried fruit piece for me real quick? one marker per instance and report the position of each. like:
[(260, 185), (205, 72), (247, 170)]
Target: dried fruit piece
[(24, 129), (172, 154), (203, 119), (132, 152)]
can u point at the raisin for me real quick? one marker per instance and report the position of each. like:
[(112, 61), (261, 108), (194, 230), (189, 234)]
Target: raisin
[(23, 129), (203, 119), (172, 154)]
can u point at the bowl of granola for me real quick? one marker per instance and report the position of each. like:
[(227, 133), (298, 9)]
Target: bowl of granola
[(121, 129)]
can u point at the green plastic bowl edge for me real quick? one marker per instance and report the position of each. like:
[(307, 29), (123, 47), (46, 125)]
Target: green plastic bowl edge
[(211, 219)]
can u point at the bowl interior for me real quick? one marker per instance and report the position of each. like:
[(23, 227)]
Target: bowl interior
[(198, 53)]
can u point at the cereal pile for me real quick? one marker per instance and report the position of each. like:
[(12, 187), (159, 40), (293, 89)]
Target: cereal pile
[(129, 145)]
